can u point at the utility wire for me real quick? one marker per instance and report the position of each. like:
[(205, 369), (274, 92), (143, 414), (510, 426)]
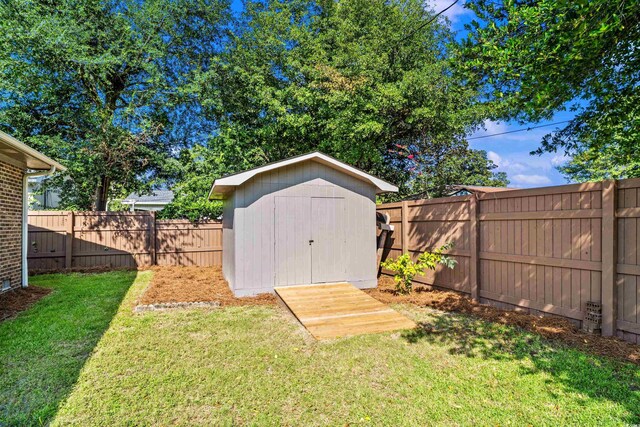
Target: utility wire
[(421, 26), (519, 130)]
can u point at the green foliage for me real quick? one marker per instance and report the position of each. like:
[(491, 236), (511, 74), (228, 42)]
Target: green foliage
[(597, 164), (191, 194), (349, 78), (105, 86), (532, 59), (469, 167), (121, 91), (406, 268)]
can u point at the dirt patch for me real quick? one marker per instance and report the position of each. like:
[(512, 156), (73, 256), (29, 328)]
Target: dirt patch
[(17, 300), (553, 328), (195, 284)]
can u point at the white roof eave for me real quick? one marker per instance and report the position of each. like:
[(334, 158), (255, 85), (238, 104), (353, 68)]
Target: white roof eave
[(33, 159), (223, 186)]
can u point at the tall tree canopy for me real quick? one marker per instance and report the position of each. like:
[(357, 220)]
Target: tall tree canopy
[(534, 58), (368, 82), (105, 86)]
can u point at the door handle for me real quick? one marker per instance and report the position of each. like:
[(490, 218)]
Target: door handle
[(310, 241)]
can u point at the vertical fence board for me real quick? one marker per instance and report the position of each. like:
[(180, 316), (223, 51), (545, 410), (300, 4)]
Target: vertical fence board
[(609, 258), (62, 240), (549, 250)]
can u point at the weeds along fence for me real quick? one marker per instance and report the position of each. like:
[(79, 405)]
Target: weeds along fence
[(61, 240), (548, 250)]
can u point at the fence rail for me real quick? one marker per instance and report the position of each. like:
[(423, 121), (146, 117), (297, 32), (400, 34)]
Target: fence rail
[(547, 250), (62, 240)]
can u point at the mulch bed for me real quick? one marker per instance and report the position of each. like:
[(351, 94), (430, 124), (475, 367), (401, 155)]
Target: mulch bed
[(17, 300), (553, 328), (195, 284)]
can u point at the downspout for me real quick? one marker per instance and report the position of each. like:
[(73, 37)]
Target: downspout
[(25, 220)]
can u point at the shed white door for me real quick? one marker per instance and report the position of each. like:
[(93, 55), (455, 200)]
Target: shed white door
[(292, 235), (310, 240), (329, 239)]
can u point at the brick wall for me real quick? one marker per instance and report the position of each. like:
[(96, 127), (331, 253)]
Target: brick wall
[(10, 224)]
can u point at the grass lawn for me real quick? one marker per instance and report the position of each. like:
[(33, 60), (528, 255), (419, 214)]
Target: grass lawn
[(253, 365), (43, 350)]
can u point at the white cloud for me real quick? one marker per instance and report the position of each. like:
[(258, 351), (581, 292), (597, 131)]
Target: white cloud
[(495, 158), (495, 127), (560, 160), (531, 179), (454, 13), (506, 165), (524, 170)]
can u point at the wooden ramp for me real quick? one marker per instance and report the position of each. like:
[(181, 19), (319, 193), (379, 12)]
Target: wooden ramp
[(338, 310)]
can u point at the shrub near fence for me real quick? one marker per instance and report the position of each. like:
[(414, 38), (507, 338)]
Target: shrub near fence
[(548, 250), (61, 240)]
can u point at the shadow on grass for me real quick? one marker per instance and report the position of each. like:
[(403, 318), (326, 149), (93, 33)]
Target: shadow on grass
[(43, 350), (592, 376)]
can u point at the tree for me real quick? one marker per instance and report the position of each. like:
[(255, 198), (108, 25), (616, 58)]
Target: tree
[(355, 79), (607, 162), (469, 167), (532, 59), (198, 171), (105, 86)]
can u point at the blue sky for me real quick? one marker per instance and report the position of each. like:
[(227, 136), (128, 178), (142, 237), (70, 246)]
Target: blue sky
[(511, 152)]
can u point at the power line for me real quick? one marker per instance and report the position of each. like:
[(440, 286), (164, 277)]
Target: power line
[(518, 130), (421, 26)]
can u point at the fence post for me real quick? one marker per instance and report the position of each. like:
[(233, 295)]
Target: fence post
[(152, 238), (609, 257), (405, 226), (68, 245), (474, 247)]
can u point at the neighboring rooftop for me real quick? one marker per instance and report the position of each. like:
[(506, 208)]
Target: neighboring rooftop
[(477, 189), (156, 197)]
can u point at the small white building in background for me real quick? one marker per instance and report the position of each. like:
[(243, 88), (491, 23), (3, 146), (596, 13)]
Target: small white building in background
[(306, 220), (155, 201), (42, 199)]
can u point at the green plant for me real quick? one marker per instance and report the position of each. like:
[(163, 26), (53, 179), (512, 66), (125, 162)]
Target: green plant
[(406, 268)]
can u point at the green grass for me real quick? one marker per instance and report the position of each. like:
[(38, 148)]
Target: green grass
[(253, 365), (43, 350)]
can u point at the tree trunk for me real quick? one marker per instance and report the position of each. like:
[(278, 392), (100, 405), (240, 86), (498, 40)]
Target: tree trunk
[(102, 193)]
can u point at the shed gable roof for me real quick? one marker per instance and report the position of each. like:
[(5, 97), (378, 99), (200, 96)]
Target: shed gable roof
[(225, 185)]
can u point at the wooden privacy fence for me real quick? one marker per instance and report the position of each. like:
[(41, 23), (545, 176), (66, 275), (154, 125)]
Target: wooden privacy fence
[(61, 240), (548, 250)]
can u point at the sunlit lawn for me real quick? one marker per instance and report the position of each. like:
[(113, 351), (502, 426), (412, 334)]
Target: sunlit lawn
[(43, 350), (253, 365)]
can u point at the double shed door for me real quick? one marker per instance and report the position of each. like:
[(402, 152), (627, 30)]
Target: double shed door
[(310, 240)]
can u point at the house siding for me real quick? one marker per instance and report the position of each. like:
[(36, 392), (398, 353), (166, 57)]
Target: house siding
[(10, 224)]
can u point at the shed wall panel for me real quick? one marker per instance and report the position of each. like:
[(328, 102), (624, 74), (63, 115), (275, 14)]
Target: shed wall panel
[(254, 223), (228, 241)]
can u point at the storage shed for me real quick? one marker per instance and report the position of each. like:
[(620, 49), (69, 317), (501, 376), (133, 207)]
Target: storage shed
[(305, 220)]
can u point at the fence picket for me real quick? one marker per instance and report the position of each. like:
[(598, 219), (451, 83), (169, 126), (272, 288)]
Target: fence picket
[(547, 250)]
